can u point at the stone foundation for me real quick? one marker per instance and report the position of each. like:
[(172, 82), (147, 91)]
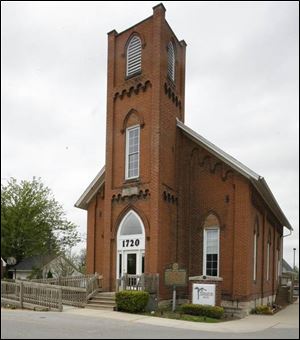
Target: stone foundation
[(243, 308)]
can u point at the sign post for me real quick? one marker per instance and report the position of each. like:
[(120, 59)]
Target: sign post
[(174, 299), (175, 277)]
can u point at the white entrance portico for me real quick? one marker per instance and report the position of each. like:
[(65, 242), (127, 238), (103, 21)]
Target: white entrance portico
[(130, 245)]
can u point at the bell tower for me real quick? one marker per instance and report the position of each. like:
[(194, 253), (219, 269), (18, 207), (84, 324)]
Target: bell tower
[(145, 96)]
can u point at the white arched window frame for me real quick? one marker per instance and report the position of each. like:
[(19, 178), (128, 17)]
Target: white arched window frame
[(211, 251), (171, 61), (130, 239), (132, 152), (134, 56)]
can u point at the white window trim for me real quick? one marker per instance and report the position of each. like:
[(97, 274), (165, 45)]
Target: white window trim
[(204, 248), (172, 62), (123, 252), (127, 151), (129, 72), (254, 256)]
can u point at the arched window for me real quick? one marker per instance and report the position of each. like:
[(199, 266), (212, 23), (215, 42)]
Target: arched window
[(211, 245), (171, 61), (131, 225), (132, 161), (131, 245), (134, 56)]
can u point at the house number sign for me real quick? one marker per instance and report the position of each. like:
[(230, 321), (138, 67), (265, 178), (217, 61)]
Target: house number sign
[(132, 243)]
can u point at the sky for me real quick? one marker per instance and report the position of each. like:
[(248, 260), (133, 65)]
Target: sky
[(242, 90)]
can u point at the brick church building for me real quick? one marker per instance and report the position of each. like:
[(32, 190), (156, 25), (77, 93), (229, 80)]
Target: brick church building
[(166, 194)]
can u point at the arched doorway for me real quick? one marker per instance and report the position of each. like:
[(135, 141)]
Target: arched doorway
[(130, 245)]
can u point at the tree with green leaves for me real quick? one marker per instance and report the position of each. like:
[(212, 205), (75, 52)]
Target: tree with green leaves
[(32, 221)]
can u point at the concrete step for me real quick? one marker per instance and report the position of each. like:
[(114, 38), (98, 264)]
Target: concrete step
[(101, 302), (103, 297), (99, 306)]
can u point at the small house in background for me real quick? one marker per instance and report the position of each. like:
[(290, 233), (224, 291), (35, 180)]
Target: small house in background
[(3, 267), (43, 266), (286, 268)]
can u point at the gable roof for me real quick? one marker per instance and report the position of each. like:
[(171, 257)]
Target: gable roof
[(91, 190), (258, 181), (37, 261), (286, 267)]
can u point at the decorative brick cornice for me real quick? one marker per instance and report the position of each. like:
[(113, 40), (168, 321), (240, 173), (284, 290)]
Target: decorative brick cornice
[(170, 92), (212, 164), (134, 196), (169, 198), (135, 89)]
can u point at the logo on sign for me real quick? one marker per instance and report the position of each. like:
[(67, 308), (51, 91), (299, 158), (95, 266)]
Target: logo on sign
[(204, 294)]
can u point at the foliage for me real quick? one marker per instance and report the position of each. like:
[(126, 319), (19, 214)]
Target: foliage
[(177, 315), (132, 301), (32, 221), (80, 261), (49, 275), (262, 309), (36, 273), (203, 310)]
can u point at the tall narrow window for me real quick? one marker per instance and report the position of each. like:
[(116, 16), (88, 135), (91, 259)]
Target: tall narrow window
[(254, 255), (211, 252), (268, 261), (134, 56), (132, 152), (171, 61)]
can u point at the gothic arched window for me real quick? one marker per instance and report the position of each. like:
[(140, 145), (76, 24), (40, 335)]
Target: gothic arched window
[(211, 246), (171, 61), (134, 56)]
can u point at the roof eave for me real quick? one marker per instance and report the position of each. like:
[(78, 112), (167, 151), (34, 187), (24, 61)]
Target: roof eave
[(259, 182), (264, 190), (91, 190)]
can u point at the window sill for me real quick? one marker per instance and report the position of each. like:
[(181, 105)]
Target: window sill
[(133, 75)]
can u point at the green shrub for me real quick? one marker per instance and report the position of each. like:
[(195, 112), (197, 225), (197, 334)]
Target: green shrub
[(263, 309), (132, 301), (203, 310)]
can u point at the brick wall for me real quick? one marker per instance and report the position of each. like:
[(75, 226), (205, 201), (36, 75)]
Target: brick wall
[(180, 183)]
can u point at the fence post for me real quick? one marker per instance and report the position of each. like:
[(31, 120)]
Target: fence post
[(60, 306), (21, 294)]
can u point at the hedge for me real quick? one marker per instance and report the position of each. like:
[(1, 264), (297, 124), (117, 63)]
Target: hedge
[(263, 309), (132, 301), (203, 310)]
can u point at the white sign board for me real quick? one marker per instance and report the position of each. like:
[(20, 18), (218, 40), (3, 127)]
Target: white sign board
[(204, 294)]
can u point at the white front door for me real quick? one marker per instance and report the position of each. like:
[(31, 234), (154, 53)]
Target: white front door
[(130, 262)]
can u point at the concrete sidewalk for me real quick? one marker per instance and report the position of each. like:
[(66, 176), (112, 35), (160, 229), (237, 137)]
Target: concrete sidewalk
[(287, 318)]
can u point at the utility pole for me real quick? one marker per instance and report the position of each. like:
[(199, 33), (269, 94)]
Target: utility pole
[(294, 259)]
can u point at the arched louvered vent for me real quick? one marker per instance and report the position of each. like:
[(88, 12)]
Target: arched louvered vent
[(134, 56), (171, 61)]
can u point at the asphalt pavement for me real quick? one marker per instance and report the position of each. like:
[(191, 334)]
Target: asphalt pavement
[(77, 323)]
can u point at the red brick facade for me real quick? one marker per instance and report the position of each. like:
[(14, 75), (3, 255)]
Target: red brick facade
[(181, 183)]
